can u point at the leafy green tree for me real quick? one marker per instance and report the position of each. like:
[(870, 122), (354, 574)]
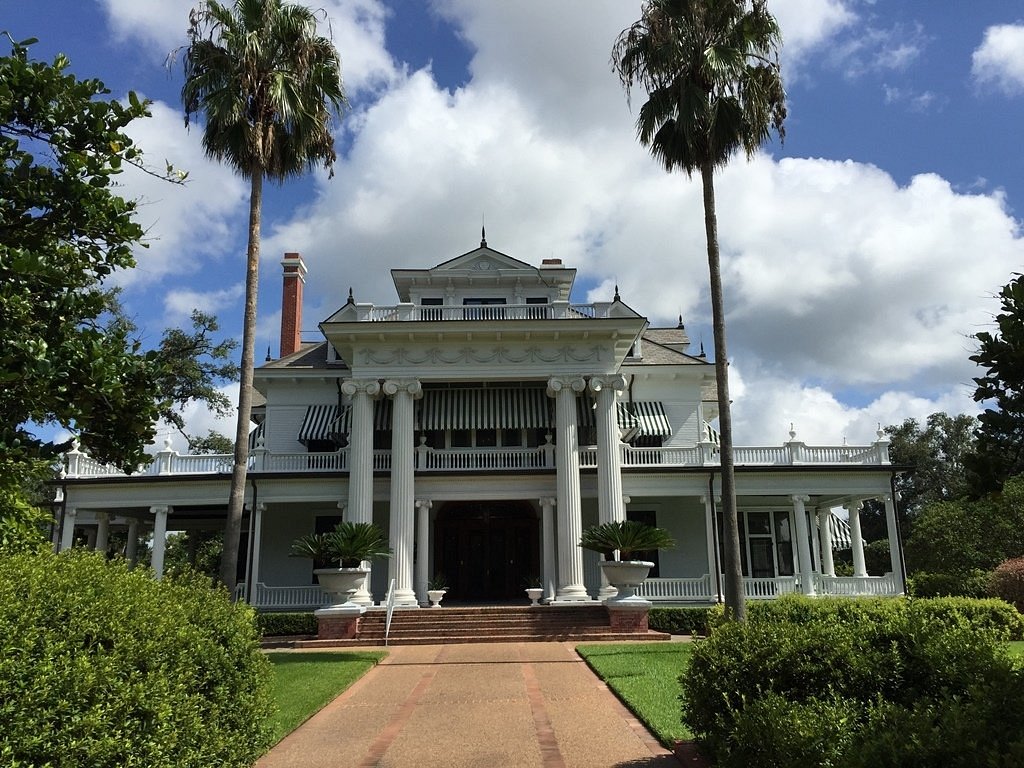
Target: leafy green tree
[(1000, 452), (711, 71), (267, 86), (23, 520), (938, 452), (212, 442), (63, 231)]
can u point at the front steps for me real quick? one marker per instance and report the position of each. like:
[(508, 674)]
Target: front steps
[(486, 624)]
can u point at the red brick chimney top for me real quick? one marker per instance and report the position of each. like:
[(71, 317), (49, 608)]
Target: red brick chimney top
[(291, 303)]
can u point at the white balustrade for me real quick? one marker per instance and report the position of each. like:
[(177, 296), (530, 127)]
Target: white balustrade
[(857, 586), (285, 598), (681, 590), (459, 459)]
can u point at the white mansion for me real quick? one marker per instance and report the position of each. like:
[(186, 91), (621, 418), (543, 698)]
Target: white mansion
[(484, 420)]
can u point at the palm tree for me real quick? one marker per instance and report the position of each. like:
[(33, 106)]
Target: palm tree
[(267, 86), (711, 71)]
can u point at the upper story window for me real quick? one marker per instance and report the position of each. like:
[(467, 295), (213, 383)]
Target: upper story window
[(483, 308), (431, 314)]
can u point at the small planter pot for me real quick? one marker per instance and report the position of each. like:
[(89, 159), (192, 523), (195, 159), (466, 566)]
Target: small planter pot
[(534, 593), (340, 583), (436, 596), (626, 576)]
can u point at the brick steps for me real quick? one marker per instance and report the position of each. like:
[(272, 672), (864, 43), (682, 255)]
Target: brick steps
[(483, 624)]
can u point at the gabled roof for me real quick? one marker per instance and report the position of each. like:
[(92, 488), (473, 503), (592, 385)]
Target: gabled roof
[(309, 355)]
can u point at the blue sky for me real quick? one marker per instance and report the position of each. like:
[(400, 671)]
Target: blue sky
[(859, 256)]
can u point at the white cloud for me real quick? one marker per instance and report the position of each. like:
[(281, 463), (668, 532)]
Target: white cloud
[(198, 421), (180, 302), (872, 49), (999, 60), (807, 24)]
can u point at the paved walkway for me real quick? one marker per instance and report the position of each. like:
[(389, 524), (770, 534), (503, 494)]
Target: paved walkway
[(495, 705)]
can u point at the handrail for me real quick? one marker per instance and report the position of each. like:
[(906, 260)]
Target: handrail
[(389, 601)]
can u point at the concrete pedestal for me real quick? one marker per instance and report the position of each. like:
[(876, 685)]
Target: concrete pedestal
[(339, 622)]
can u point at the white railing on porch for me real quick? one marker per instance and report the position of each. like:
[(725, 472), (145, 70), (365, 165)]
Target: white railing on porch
[(557, 310), (498, 459), (856, 586), (655, 589), (283, 598)]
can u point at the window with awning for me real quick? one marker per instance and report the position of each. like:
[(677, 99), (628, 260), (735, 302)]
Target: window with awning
[(327, 422), (639, 418), (490, 408)]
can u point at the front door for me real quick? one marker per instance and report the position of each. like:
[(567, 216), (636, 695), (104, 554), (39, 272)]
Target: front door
[(487, 551)]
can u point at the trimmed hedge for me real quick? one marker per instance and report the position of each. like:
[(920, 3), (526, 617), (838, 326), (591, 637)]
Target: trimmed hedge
[(685, 620), (970, 584), (1007, 582), (913, 684), (103, 666), (284, 624)]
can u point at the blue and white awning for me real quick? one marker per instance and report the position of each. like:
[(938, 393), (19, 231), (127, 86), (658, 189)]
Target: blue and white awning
[(484, 408), (840, 532), (648, 417)]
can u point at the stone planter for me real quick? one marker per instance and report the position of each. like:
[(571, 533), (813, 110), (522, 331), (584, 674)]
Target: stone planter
[(340, 583), (626, 576), (435, 596), (534, 593)]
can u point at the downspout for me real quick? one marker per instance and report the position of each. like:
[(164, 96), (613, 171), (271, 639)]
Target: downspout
[(714, 536)]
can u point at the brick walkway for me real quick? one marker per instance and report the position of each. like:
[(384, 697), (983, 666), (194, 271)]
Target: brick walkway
[(495, 705)]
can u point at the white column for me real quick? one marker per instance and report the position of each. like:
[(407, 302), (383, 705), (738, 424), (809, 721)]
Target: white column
[(360, 464), (67, 534), (131, 547), (856, 539), (402, 487), (257, 539), (803, 544), (610, 508), (159, 539), (102, 531), (711, 535), (895, 554), (422, 550), (567, 464), (547, 508), (828, 567)]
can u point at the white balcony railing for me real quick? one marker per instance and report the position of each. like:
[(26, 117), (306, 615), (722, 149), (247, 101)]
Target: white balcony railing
[(705, 454), (558, 310)]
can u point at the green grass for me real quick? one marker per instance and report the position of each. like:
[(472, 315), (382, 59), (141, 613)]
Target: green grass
[(305, 682), (1017, 649), (646, 677)]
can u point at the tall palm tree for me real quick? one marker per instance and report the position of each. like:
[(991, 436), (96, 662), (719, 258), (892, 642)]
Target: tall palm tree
[(267, 86), (711, 71)]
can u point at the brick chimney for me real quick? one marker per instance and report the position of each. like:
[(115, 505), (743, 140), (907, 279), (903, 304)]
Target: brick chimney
[(291, 303)]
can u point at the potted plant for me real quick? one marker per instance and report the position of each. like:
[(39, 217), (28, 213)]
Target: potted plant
[(534, 589), (348, 545), (625, 538), (436, 589)]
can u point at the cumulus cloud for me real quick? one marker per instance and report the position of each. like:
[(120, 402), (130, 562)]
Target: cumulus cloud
[(180, 302), (999, 60)]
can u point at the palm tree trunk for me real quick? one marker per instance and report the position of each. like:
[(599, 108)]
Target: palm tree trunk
[(735, 607), (236, 499)]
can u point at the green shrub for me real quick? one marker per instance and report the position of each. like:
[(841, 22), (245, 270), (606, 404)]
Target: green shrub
[(777, 693), (684, 620), (989, 615), (1007, 582), (968, 584), (282, 624), (103, 666)]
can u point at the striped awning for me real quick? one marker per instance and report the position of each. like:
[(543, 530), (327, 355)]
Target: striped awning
[(318, 423), (840, 532), (381, 418), (646, 416), (491, 408), (256, 434)]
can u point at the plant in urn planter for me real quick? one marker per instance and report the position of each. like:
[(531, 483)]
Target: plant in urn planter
[(624, 539), (436, 589), (534, 589), (348, 545)]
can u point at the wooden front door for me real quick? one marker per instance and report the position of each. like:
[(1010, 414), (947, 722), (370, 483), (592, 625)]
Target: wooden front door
[(487, 551)]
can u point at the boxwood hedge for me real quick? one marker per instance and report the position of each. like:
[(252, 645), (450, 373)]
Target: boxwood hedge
[(104, 666)]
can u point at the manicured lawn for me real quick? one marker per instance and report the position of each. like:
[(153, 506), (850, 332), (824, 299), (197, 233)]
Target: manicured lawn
[(1017, 649), (305, 682), (646, 677)]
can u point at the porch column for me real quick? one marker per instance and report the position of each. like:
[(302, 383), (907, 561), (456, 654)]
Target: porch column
[(711, 535), (610, 508), (856, 539), (567, 465), (131, 547), (159, 539), (360, 464), (422, 549), (102, 531), (828, 567), (547, 510), (803, 544), (67, 534), (403, 457), (257, 538), (895, 553)]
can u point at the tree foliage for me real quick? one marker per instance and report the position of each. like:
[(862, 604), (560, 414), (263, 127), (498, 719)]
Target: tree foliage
[(63, 231), (1000, 452)]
